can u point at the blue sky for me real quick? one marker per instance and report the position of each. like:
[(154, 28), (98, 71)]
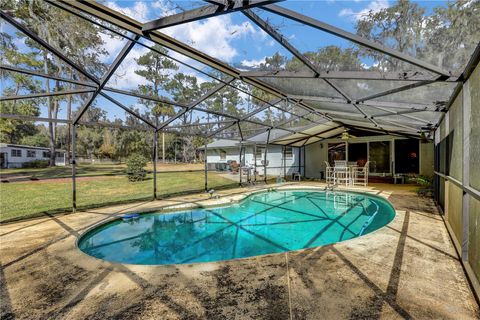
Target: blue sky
[(232, 38)]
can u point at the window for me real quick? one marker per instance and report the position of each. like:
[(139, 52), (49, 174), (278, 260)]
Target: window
[(31, 154), (16, 153), (223, 155), (46, 154), (357, 152), (336, 151), (259, 153), (58, 154), (288, 152)]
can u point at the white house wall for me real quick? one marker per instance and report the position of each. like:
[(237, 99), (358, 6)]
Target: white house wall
[(274, 158)]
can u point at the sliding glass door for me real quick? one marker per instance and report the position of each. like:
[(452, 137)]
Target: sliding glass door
[(407, 156), (379, 157)]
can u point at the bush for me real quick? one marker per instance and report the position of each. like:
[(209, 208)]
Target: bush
[(426, 186), (136, 167), (36, 164)]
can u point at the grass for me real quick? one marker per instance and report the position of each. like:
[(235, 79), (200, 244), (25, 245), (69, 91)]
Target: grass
[(33, 198), (88, 170)]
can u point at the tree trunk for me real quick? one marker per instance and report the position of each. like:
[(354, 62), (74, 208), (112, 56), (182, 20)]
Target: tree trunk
[(163, 147), (51, 129), (69, 116)]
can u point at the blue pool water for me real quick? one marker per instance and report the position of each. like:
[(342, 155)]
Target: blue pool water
[(263, 223)]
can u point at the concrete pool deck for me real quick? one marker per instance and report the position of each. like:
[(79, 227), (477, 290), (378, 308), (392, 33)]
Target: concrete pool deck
[(407, 269)]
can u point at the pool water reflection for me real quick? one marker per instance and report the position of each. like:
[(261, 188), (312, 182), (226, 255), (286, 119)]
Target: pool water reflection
[(263, 223)]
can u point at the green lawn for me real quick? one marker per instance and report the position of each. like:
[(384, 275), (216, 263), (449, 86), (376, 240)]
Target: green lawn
[(60, 172), (32, 198)]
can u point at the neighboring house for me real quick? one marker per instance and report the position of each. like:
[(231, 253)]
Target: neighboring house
[(280, 160), (14, 155)]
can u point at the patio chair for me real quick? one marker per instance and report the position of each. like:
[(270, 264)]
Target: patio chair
[(329, 179), (360, 175), (341, 163), (341, 173)]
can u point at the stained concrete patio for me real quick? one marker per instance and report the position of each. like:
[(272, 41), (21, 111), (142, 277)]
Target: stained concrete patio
[(408, 269)]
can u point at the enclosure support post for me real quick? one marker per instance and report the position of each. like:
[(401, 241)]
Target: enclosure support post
[(155, 157), (240, 164), (300, 160), (74, 185), (265, 158), (206, 167), (284, 163), (255, 163), (305, 161)]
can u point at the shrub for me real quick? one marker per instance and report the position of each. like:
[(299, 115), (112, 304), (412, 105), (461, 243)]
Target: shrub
[(136, 167), (36, 164), (426, 186)]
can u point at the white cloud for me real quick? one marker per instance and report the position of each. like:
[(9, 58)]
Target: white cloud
[(112, 45), (164, 7), (125, 76), (139, 11), (253, 62), (373, 6), (214, 36)]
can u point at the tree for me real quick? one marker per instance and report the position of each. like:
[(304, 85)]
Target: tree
[(70, 34), (329, 58), (400, 26), (453, 34), (275, 62), (185, 89), (13, 130), (156, 70)]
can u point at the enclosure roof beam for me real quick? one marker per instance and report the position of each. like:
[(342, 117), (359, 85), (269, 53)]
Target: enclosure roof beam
[(403, 114), (102, 12), (348, 75), (204, 12), (145, 97), (46, 94), (44, 75), (389, 112), (222, 129), (128, 110), (46, 45), (245, 117), (354, 38), (85, 123), (113, 67), (284, 42), (198, 124), (317, 135), (396, 90), (387, 104), (192, 105)]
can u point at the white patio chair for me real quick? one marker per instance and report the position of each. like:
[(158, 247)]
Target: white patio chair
[(329, 179), (341, 175), (360, 175), (341, 163)]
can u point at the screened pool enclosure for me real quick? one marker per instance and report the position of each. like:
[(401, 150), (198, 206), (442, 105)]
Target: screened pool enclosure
[(320, 82)]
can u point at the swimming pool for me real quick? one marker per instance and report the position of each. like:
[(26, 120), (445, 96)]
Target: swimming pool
[(267, 222)]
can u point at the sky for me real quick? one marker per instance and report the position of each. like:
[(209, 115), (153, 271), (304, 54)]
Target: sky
[(231, 38)]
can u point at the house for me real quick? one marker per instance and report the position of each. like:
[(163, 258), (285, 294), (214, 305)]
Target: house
[(14, 155), (280, 160), (388, 156)]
